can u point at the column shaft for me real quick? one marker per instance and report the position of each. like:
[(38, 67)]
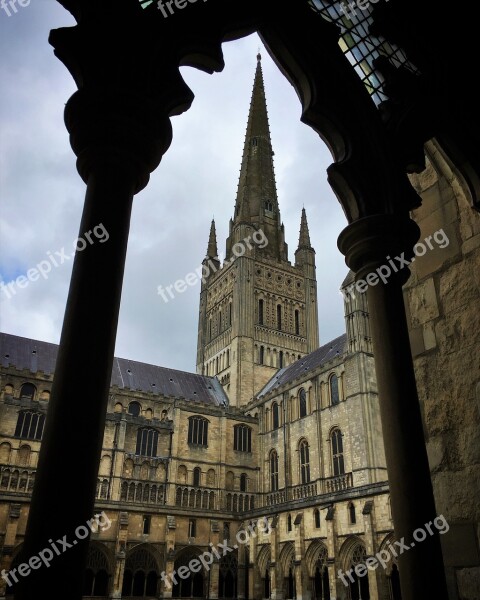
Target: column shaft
[(64, 492)]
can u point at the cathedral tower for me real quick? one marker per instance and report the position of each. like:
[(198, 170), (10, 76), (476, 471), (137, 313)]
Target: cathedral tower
[(258, 312)]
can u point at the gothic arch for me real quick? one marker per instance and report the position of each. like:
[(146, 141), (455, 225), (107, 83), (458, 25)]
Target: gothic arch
[(99, 571), (142, 571), (347, 550), (287, 556), (317, 551), (263, 560)]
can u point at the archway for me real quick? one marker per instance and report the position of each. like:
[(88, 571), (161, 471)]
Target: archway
[(98, 574), (227, 583), (194, 585), (316, 561), (142, 573)]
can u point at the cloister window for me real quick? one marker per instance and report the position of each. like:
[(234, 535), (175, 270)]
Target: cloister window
[(198, 431), (242, 438), (275, 416), (304, 461), (316, 518), (147, 442), (279, 317), (262, 355), (30, 425), (302, 404), (297, 322), (337, 452), (243, 482), (196, 476), (192, 528), (28, 390), (334, 397), (273, 471), (146, 524), (351, 513)]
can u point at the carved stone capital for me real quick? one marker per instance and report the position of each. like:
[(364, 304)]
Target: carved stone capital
[(372, 242)]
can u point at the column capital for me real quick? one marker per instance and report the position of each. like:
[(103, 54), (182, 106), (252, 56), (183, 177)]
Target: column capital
[(119, 128), (373, 241)]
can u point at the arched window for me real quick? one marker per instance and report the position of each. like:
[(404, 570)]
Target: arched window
[(147, 442), (260, 312), (337, 452), (280, 359), (273, 471), (351, 513), (23, 456), (297, 322), (262, 355), (196, 476), (302, 404), (242, 438), (334, 398), (279, 317), (243, 482), (275, 416), (316, 518), (230, 313), (289, 525), (198, 431), (134, 409), (30, 425), (28, 390), (304, 461)]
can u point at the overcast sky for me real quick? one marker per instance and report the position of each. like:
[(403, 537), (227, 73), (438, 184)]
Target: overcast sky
[(42, 195)]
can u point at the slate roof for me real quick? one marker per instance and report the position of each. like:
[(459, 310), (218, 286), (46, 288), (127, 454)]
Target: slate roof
[(34, 355), (300, 368)]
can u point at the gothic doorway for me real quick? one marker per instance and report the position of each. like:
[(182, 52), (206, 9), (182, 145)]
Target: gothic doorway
[(194, 585), (141, 575), (227, 584)]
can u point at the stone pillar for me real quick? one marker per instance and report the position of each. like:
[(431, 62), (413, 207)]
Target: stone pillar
[(369, 244), (9, 545), (276, 584), (120, 554), (337, 589), (214, 573), (242, 566), (167, 584), (301, 576), (119, 139), (370, 547)]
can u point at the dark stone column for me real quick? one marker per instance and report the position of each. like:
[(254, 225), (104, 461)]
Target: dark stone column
[(368, 244), (119, 139)]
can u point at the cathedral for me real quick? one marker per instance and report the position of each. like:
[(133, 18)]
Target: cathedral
[(273, 447)]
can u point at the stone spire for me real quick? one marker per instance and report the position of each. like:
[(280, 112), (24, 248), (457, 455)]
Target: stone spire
[(212, 251), (257, 203), (304, 237)]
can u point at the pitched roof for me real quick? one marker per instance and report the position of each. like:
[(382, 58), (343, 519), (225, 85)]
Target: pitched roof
[(34, 355), (308, 363)]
